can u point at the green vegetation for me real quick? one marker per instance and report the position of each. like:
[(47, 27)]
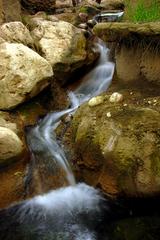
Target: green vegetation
[(143, 11)]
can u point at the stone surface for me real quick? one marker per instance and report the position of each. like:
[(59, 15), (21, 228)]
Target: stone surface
[(1, 12), (16, 32), (119, 30), (39, 5), (137, 54), (11, 146), (112, 4), (119, 153), (11, 10), (63, 3), (23, 74), (5, 121), (134, 64), (62, 45)]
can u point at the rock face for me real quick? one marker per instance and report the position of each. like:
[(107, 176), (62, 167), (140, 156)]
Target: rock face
[(112, 4), (140, 64), (11, 10), (118, 147), (11, 146), (137, 55), (39, 5), (62, 45), (1, 12), (16, 32), (23, 74)]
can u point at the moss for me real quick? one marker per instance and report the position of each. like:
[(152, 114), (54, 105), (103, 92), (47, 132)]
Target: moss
[(90, 10)]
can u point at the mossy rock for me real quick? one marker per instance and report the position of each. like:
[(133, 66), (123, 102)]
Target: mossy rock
[(124, 146)]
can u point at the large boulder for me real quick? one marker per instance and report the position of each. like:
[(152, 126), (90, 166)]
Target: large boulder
[(118, 145), (23, 74), (16, 32), (63, 46)]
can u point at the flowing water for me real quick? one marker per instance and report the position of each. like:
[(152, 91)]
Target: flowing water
[(74, 211)]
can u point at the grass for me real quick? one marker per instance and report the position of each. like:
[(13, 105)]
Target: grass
[(142, 12)]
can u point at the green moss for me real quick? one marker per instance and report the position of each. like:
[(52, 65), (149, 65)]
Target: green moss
[(142, 12)]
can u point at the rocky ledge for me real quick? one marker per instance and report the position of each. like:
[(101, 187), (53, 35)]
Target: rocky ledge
[(119, 30)]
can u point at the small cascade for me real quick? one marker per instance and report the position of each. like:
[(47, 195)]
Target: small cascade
[(109, 16), (73, 212), (70, 213), (42, 138)]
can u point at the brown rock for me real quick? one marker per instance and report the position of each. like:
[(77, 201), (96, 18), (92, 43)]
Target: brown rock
[(119, 153), (39, 5), (12, 10)]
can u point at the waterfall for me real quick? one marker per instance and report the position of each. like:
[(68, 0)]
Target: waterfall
[(68, 213), (42, 138)]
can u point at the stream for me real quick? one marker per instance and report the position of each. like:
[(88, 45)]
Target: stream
[(68, 213)]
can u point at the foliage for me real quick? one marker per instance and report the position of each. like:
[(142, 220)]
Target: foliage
[(142, 12)]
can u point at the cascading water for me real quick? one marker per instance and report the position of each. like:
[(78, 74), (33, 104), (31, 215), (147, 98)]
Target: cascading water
[(42, 138), (71, 212)]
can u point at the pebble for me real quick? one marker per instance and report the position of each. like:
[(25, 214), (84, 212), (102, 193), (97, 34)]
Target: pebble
[(116, 97), (95, 101), (83, 26), (109, 114)]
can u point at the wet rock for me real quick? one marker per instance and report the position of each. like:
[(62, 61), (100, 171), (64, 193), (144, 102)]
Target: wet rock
[(12, 183), (11, 146), (24, 74), (91, 23), (16, 32), (118, 147)]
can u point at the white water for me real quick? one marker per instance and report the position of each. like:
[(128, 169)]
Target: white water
[(69, 213), (72, 212), (94, 83)]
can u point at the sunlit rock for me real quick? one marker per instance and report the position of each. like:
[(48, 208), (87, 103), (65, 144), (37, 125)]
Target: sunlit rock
[(116, 97), (10, 146), (95, 101), (5, 121), (16, 32), (63, 46), (23, 74)]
